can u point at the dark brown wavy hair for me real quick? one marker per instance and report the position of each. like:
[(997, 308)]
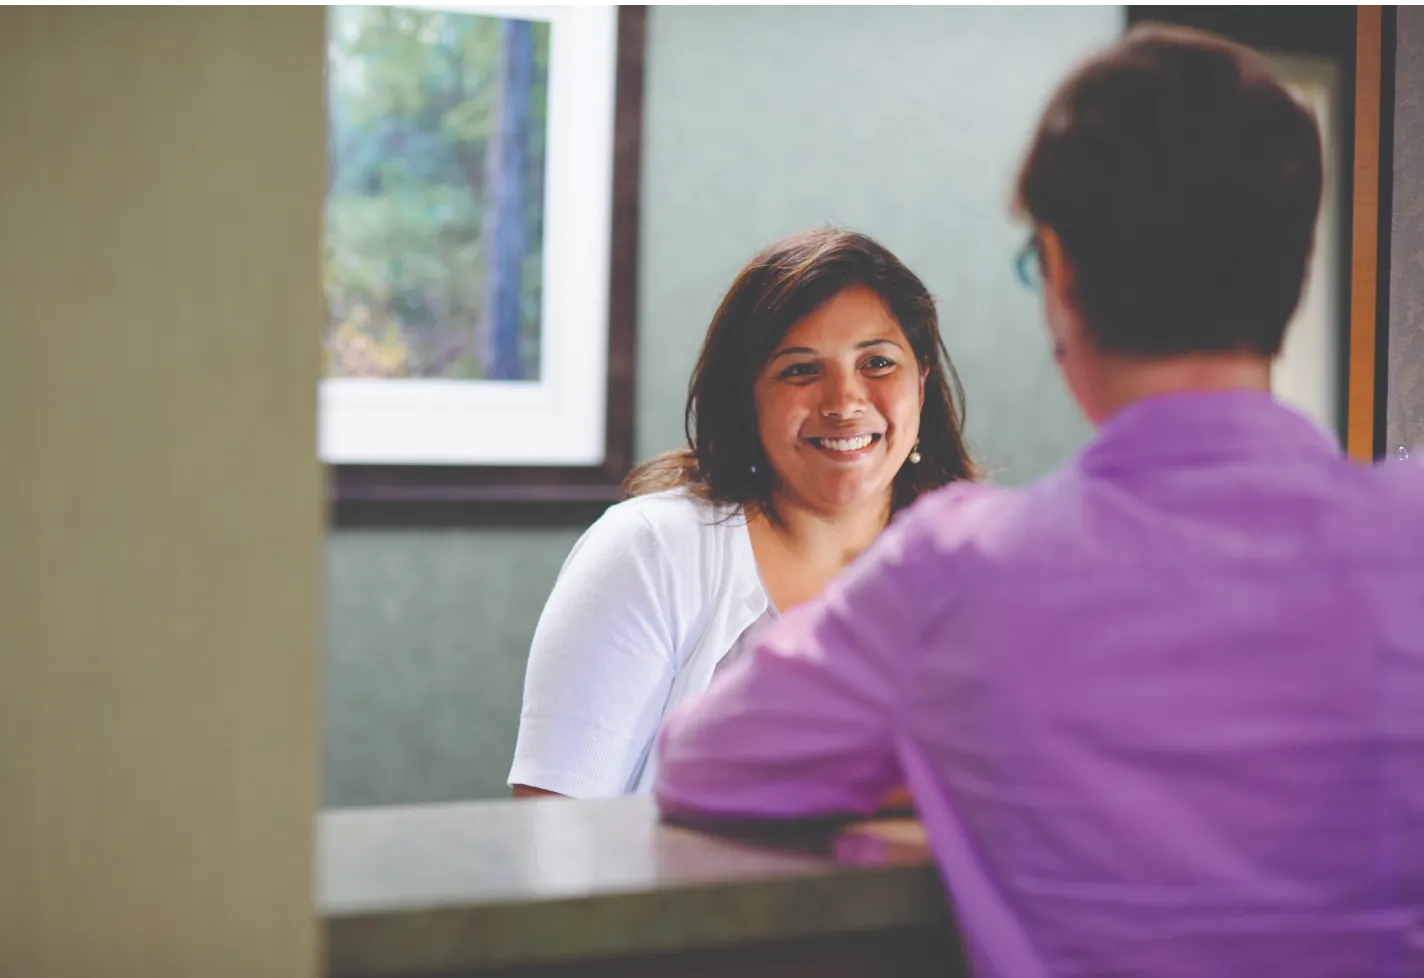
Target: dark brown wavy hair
[(787, 281)]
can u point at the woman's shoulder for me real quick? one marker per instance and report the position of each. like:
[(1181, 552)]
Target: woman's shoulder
[(674, 518), (677, 550), (694, 545)]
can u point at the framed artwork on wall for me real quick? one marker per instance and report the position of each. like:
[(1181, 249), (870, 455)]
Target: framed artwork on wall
[(480, 261)]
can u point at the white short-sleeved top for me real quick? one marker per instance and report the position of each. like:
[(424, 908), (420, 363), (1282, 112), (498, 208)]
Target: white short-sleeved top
[(651, 598)]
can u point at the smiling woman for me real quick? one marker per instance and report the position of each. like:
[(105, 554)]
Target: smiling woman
[(823, 403), (838, 405)]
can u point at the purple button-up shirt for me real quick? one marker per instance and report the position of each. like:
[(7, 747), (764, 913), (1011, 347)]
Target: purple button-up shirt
[(1162, 712)]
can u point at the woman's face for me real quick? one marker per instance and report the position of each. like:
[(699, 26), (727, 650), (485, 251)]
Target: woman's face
[(838, 403)]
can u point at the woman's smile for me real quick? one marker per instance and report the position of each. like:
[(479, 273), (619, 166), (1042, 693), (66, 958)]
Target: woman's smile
[(846, 448)]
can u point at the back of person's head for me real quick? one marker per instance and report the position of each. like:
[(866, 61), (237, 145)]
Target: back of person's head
[(1183, 183), (786, 282)]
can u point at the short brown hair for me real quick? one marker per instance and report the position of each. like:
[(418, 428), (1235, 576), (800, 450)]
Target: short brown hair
[(786, 282), (1184, 183)]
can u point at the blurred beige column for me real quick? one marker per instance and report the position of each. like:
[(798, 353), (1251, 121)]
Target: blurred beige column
[(161, 182)]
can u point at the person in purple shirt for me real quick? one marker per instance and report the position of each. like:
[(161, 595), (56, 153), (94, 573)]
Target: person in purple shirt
[(1162, 711)]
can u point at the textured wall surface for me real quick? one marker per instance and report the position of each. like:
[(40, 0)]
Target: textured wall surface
[(427, 634), (905, 122), (1404, 424)]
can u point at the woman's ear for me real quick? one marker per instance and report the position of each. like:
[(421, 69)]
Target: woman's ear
[(924, 376)]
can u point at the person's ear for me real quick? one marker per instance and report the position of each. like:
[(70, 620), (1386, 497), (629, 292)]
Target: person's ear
[(1057, 272), (1058, 276)]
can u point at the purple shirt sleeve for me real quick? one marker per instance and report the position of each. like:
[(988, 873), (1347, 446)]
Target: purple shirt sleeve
[(805, 724)]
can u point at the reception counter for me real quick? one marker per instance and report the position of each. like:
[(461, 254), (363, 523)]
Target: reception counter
[(558, 887)]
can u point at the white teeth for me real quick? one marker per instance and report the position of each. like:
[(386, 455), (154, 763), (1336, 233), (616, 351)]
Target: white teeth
[(847, 444)]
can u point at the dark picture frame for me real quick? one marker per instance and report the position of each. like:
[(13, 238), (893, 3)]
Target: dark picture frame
[(416, 495)]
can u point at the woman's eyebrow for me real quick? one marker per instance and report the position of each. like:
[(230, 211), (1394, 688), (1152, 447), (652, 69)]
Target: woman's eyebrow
[(882, 341), (791, 350)]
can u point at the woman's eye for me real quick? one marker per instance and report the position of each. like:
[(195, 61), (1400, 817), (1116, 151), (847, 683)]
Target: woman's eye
[(798, 370), (879, 363)]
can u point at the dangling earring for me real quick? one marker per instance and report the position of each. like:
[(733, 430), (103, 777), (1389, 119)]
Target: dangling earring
[(915, 453)]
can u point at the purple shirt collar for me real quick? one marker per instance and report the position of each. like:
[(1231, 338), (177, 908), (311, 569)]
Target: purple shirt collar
[(1205, 426)]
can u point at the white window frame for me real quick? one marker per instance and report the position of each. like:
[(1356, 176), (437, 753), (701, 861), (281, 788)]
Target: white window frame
[(558, 420)]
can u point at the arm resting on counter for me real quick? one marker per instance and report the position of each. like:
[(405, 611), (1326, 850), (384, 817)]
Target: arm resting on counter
[(578, 888)]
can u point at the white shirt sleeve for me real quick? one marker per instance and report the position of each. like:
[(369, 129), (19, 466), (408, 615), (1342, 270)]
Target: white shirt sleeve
[(601, 664)]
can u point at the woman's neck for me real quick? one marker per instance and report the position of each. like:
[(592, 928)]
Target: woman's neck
[(800, 551), (829, 540)]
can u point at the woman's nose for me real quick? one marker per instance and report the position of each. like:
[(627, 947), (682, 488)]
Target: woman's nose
[(844, 396)]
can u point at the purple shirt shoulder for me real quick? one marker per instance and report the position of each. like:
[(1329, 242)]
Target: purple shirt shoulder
[(1162, 712)]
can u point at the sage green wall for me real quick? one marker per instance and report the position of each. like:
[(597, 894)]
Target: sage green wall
[(1404, 420), (904, 122)]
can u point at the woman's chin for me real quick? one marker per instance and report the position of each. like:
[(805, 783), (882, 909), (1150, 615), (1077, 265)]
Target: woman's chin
[(848, 492)]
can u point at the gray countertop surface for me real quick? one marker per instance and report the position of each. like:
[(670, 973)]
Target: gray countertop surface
[(433, 888)]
